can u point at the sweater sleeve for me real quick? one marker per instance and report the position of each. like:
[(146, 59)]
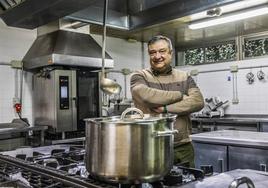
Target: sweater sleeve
[(151, 96), (192, 102)]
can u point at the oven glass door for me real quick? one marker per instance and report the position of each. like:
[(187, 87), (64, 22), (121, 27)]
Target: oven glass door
[(88, 96)]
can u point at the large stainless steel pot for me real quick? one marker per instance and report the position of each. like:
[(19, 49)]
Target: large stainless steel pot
[(130, 149)]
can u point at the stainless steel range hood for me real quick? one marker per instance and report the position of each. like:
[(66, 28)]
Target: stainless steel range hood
[(64, 48), (31, 14), (133, 19)]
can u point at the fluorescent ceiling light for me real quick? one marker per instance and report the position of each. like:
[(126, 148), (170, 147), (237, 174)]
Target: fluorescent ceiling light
[(232, 17), (230, 8)]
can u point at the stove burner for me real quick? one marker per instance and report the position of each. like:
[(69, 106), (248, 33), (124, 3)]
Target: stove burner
[(63, 166), (173, 178)]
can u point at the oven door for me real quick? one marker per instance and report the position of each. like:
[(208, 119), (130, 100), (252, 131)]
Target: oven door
[(88, 99), (66, 92)]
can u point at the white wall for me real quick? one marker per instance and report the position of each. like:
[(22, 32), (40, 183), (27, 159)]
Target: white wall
[(14, 43), (253, 98)]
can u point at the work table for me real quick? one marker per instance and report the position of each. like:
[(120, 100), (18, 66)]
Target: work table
[(8, 130), (236, 122), (231, 149), (233, 137), (223, 180), (234, 119)]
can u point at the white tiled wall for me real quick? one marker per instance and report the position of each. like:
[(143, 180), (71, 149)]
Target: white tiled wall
[(14, 43), (253, 98)]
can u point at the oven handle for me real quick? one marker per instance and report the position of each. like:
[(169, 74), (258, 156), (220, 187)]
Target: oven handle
[(221, 161), (263, 167), (75, 101)]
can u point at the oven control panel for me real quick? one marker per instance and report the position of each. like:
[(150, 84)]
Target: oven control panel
[(64, 92)]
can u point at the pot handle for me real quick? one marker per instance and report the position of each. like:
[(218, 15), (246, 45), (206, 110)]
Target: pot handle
[(241, 180), (132, 110), (165, 133)]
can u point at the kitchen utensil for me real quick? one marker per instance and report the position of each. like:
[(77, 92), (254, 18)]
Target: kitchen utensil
[(260, 75), (241, 180), (250, 77), (131, 148), (108, 86)]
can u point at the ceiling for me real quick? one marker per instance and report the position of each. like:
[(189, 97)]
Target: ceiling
[(135, 20), (183, 37)]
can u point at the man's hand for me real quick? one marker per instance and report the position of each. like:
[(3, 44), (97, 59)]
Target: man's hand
[(159, 109)]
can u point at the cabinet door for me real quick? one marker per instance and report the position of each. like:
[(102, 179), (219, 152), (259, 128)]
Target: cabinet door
[(264, 127), (210, 154), (248, 158)]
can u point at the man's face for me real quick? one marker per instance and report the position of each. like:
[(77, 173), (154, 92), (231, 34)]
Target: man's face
[(160, 55)]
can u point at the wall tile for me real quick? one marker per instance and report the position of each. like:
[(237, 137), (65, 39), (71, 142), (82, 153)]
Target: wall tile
[(253, 98)]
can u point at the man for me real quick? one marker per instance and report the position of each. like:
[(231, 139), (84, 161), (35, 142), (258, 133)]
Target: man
[(162, 89)]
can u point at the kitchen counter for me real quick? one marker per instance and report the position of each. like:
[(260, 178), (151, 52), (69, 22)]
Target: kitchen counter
[(233, 137), (231, 149), (8, 129), (234, 119), (235, 122), (223, 180)]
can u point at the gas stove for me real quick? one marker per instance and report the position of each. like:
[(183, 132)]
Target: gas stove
[(63, 166)]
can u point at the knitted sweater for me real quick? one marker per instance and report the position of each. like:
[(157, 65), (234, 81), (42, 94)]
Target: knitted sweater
[(176, 89)]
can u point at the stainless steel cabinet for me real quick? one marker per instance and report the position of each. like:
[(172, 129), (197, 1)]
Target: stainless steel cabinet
[(208, 154), (242, 149), (247, 158)]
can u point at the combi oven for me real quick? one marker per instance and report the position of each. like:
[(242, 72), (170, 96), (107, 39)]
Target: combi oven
[(63, 98)]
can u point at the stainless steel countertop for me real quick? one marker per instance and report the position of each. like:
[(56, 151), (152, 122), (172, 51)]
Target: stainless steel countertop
[(223, 180), (8, 130), (233, 137), (46, 150), (234, 119)]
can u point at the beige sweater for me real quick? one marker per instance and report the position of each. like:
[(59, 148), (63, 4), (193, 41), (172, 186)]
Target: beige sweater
[(176, 89)]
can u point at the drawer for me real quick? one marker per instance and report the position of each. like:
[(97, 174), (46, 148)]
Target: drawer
[(247, 158), (210, 154)]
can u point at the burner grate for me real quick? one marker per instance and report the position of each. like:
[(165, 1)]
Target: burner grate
[(35, 175), (63, 166)]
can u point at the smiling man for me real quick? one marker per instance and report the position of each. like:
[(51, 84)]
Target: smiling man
[(163, 89)]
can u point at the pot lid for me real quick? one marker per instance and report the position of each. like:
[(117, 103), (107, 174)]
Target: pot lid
[(139, 117)]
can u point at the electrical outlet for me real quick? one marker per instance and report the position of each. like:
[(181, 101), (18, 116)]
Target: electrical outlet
[(235, 101), (234, 68)]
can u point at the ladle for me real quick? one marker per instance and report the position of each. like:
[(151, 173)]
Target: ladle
[(108, 86)]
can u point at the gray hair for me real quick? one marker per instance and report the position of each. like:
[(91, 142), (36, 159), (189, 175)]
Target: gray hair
[(160, 37)]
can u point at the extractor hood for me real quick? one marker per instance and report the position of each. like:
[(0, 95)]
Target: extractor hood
[(65, 48), (31, 14), (122, 14), (134, 19)]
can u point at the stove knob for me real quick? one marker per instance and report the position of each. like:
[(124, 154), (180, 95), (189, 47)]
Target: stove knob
[(207, 169)]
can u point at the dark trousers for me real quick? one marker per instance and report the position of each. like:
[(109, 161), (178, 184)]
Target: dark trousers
[(184, 153)]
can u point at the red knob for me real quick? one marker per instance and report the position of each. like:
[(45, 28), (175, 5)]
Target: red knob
[(17, 107)]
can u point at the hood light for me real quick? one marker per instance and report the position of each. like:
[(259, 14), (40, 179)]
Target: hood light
[(232, 17)]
